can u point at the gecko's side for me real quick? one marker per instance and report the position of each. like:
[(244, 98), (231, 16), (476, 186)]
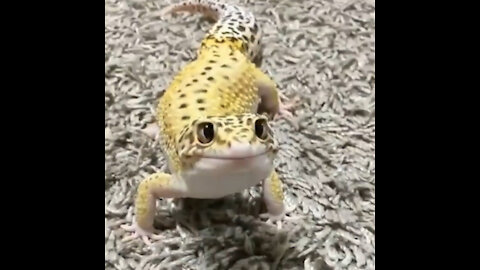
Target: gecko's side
[(213, 120)]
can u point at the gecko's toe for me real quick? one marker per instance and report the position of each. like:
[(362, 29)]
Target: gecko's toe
[(285, 111), (138, 232), (273, 217), (285, 108), (151, 130)]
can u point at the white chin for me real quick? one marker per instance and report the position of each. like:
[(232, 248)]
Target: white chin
[(214, 177), (240, 165)]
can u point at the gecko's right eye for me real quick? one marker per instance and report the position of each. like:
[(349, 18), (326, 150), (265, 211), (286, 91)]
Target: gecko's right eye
[(205, 132)]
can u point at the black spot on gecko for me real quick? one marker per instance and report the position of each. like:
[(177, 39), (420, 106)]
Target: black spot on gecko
[(208, 68), (225, 66), (226, 77), (203, 73), (249, 121), (201, 109), (244, 130), (201, 91), (210, 78), (191, 138), (234, 59), (228, 130), (241, 28), (181, 138), (182, 95), (194, 80), (212, 61), (255, 28), (200, 101), (252, 38), (185, 117), (182, 106)]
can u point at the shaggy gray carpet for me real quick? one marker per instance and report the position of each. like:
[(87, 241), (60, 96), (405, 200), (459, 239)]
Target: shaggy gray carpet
[(322, 52)]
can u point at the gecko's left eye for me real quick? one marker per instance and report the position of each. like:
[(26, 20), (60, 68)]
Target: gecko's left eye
[(261, 129), (205, 132)]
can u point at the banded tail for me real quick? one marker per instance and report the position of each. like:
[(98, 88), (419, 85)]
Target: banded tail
[(235, 26)]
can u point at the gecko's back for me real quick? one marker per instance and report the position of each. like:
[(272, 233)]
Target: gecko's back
[(219, 82)]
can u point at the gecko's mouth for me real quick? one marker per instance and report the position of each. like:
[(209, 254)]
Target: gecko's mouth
[(234, 162), (233, 157)]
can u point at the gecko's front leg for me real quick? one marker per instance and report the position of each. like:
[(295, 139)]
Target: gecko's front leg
[(157, 185), (271, 98), (273, 195)]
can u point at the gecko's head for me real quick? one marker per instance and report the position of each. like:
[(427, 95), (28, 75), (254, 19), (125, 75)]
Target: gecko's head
[(227, 142)]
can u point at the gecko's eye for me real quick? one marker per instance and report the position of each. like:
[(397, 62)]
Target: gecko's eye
[(205, 132), (261, 129)]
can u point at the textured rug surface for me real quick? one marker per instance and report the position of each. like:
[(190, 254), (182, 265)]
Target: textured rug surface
[(322, 52)]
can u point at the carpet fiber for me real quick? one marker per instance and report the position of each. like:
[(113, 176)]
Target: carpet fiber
[(322, 52)]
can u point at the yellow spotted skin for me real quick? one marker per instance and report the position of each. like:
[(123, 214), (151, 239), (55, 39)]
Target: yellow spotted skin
[(221, 82), (145, 200), (273, 193), (224, 90), (277, 190)]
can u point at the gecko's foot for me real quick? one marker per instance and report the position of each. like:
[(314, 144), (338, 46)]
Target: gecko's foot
[(285, 108), (138, 232), (151, 130), (275, 210), (273, 217)]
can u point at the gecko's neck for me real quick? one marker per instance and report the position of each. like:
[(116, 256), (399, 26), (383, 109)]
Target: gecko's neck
[(211, 43)]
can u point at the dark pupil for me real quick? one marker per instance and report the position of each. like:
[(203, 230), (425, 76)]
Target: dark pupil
[(208, 131), (259, 128)]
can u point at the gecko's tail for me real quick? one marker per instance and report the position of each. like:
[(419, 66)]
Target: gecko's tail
[(235, 26)]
